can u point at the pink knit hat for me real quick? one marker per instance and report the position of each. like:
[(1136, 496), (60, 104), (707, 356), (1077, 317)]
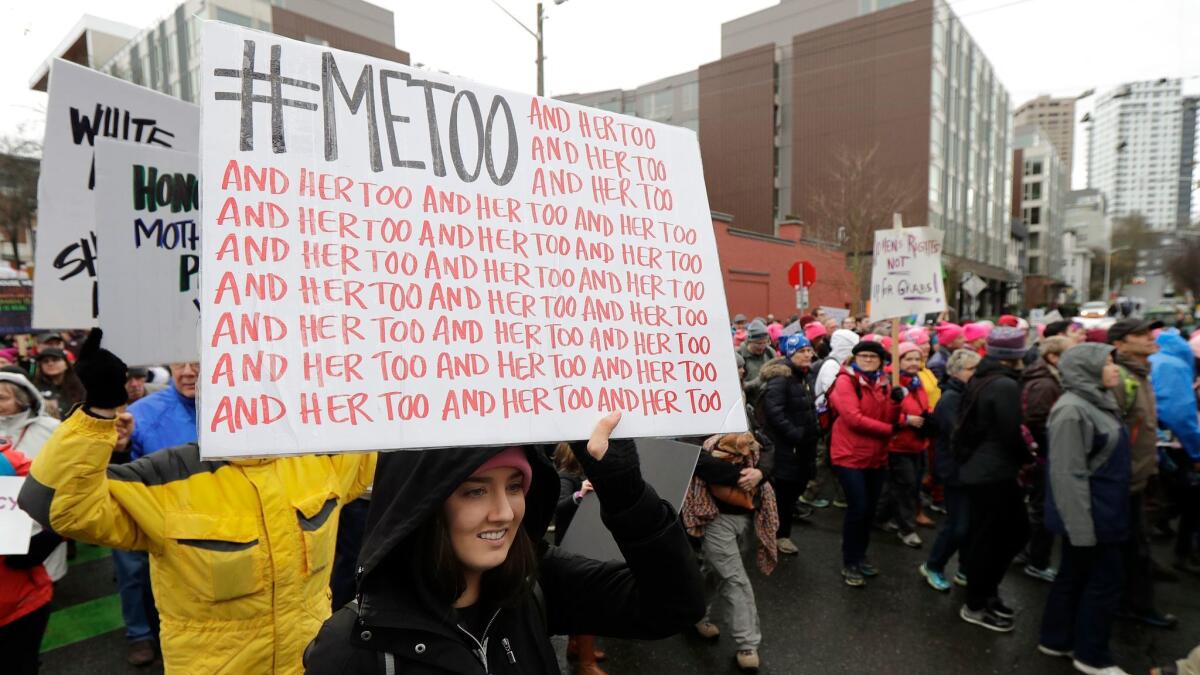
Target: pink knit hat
[(948, 332), (906, 347), (917, 335), (510, 457), (814, 330), (976, 331), (1195, 344), (881, 339)]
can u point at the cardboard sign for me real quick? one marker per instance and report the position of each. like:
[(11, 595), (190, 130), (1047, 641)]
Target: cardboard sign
[(86, 105), (666, 465), (16, 306), (838, 313), (395, 258), (15, 525), (906, 277), (147, 220)]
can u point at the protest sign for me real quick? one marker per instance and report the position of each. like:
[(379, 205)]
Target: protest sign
[(906, 277), (15, 525), (837, 313), (86, 105), (16, 306), (396, 258), (666, 465), (147, 211)]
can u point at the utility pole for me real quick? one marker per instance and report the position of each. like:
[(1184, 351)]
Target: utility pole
[(541, 59)]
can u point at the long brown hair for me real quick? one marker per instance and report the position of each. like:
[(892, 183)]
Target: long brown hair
[(564, 460), (441, 571)]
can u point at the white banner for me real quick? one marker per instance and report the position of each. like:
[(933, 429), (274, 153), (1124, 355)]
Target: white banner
[(906, 277), (15, 525), (86, 105), (397, 258), (147, 216)]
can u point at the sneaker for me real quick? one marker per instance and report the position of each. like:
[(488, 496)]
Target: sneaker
[(839, 503), (1022, 558), (986, 618), (911, 540), (747, 660), (141, 653), (708, 630), (817, 503), (1047, 574), (938, 508), (853, 576), (868, 570), (888, 526), (997, 607), (802, 512), (1094, 670), (937, 580), (960, 579), (924, 520), (786, 546), (1050, 651), (1153, 618)]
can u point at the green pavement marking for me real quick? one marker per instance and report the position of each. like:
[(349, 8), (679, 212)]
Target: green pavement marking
[(85, 620), (85, 553)]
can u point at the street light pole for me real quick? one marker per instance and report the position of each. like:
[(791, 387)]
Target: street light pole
[(541, 59), (1108, 270)]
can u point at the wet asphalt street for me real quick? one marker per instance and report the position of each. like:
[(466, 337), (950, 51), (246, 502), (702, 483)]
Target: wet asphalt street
[(811, 623)]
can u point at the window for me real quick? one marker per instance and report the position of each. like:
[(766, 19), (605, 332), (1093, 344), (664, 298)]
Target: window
[(1035, 264), (313, 40), (1035, 240), (1033, 167), (689, 95), (1032, 215), (233, 17), (1033, 191)]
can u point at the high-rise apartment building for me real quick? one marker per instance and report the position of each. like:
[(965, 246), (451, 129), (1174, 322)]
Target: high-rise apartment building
[(1040, 188), (1056, 117), (166, 56), (1141, 151)]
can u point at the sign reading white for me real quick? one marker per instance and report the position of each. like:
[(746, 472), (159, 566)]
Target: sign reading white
[(86, 105), (15, 525), (147, 212), (394, 258), (906, 277)]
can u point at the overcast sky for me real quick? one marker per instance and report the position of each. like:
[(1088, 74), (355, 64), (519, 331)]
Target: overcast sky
[(1060, 47)]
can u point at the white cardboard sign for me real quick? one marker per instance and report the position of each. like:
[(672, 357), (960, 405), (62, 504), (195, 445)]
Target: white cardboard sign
[(15, 525), (86, 105), (147, 217), (397, 258), (906, 277)]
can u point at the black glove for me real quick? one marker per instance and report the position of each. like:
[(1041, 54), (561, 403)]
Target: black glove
[(617, 478), (898, 394), (102, 373)]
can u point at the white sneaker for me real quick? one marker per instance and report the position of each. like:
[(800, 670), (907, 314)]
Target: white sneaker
[(911, 539), (1092, 670)]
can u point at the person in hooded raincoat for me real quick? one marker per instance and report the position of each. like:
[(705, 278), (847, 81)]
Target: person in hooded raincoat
[(429, 602), (240, 551)]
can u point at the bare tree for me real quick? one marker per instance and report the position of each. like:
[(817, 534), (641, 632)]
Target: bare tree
[(19, 167), (1130, 234), (855, 200), (1184, 266)]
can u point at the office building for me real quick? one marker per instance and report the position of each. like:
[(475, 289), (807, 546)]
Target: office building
[(1056, 117), (166, 55), (671, 100), (1141, 146)]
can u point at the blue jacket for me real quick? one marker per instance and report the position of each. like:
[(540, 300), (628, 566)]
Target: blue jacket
[(163, 419), (1172, 371)]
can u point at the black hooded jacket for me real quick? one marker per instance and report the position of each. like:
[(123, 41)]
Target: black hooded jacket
[(400, 627)]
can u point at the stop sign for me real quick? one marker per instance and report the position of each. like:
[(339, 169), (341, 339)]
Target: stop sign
[(802, 273)]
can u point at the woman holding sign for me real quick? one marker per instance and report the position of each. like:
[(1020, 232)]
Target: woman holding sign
[(454, 574)]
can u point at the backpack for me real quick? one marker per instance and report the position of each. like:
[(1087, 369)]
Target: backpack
[(965, 435)]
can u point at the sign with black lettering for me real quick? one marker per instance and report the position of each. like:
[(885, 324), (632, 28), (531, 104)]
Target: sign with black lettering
[(396, 258), (86, 105), (147, 217)]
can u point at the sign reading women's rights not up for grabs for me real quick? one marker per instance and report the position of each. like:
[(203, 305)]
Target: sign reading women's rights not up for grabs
[(395, 258), (147, 212), (86, 105), (906, 277)]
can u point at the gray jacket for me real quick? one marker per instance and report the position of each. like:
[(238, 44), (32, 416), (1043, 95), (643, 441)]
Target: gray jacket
[(1088, 493)]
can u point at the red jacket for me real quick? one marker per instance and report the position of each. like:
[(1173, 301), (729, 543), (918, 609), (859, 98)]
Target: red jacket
[(21, 590), (915, 404), (864, 422)]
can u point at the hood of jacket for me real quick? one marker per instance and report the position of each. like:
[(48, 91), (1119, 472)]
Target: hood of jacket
[(989, 365), (1082, 368), (1040, 370), (1171, 343), (410, 485), (779, 367), (38, 405), (840, 344)]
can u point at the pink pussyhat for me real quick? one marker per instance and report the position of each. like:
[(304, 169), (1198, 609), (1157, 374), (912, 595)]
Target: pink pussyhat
[(948, 332), (917, 335), (510, 457), (881, 339), (976, 331), (906, 347), (814, 330)]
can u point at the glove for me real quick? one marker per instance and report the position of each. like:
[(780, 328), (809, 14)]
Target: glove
[(103, 374), (898, 394), (616, 477)]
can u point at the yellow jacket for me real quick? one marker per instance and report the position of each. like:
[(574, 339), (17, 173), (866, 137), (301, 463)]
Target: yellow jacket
[(930, 384), (240, 552)]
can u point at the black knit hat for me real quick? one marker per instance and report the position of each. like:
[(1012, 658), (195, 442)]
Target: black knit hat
[(872, 347)]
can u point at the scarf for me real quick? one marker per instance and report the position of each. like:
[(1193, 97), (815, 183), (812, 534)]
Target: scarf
[(700, 509)]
